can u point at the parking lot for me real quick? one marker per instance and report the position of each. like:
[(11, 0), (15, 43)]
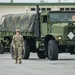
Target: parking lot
[(65, 65)]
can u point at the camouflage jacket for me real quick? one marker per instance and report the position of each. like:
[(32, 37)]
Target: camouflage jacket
[(18, 41)]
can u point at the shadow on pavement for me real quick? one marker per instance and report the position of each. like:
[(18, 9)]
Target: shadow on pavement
[(70, 59)]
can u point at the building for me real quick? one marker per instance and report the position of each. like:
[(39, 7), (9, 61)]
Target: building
[(14, 8)]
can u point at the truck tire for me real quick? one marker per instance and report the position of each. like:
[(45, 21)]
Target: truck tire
[(52, 50), (72, 51), (12, 51), (1, 48), (41, 55), (26, 51)]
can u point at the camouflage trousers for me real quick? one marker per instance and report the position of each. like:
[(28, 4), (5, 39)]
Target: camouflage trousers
[(18, 53)]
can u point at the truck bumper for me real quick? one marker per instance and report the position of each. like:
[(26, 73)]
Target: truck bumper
[(69, 43)]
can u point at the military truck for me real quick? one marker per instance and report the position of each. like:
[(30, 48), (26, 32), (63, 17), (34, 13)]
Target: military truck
[(47, 33)]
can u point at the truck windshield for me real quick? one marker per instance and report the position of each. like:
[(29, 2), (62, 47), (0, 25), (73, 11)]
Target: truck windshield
[(62, 17)]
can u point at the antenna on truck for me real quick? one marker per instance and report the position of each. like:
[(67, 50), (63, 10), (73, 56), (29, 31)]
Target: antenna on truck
[(37, 22), (37, 11)]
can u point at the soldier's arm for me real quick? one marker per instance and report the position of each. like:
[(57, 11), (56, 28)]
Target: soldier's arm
[(13, 41)]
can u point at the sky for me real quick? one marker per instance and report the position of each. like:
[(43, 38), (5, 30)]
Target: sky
[(37, 1)]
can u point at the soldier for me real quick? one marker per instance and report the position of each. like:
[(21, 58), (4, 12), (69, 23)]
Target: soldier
[(18, 44)]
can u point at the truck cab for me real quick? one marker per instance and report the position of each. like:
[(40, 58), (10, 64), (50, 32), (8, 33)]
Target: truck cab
[(57, 29)]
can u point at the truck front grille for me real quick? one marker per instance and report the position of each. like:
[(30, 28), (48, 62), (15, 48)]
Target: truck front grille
[(71, 33)]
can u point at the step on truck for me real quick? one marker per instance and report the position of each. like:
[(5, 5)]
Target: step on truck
[(46, 33)]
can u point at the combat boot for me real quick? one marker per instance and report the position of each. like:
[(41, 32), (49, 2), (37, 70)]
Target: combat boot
[(20, 61), (16, 61)]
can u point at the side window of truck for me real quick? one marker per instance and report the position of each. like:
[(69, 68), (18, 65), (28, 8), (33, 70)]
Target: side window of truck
[(44, 19)]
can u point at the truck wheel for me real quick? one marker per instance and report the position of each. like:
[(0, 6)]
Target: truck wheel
[(52, 50), (12, 51), (1, 48), (26, 51), (41, 55)]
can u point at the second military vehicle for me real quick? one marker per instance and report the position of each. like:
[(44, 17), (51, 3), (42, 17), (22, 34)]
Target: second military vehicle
[(47, 33)]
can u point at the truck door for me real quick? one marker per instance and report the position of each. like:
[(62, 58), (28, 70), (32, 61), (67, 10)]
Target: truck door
[(43, 26)]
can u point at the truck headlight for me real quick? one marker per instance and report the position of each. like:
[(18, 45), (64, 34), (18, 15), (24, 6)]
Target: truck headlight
[(59, 38)]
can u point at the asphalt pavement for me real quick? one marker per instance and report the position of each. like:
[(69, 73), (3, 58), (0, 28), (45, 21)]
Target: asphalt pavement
[(65, 65)]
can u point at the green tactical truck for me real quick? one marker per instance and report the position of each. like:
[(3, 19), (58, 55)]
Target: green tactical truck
[(47, 33)]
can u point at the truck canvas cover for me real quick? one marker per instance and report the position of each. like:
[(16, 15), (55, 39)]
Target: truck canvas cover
[(24, 22)]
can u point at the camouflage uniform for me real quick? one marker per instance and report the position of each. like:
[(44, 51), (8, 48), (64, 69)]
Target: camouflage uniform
[(18, 42)]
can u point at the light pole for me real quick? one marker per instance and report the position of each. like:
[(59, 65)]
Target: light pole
[(11, 1), (42, 1)]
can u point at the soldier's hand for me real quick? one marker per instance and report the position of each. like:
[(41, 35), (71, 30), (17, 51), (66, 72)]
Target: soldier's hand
[(23, 47), (13, 46)]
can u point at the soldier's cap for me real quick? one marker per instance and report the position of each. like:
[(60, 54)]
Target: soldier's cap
[(17, 30)]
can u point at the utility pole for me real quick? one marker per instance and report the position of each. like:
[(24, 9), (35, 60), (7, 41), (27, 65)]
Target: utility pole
[(42, 1), (59, 1), (11, 1)]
